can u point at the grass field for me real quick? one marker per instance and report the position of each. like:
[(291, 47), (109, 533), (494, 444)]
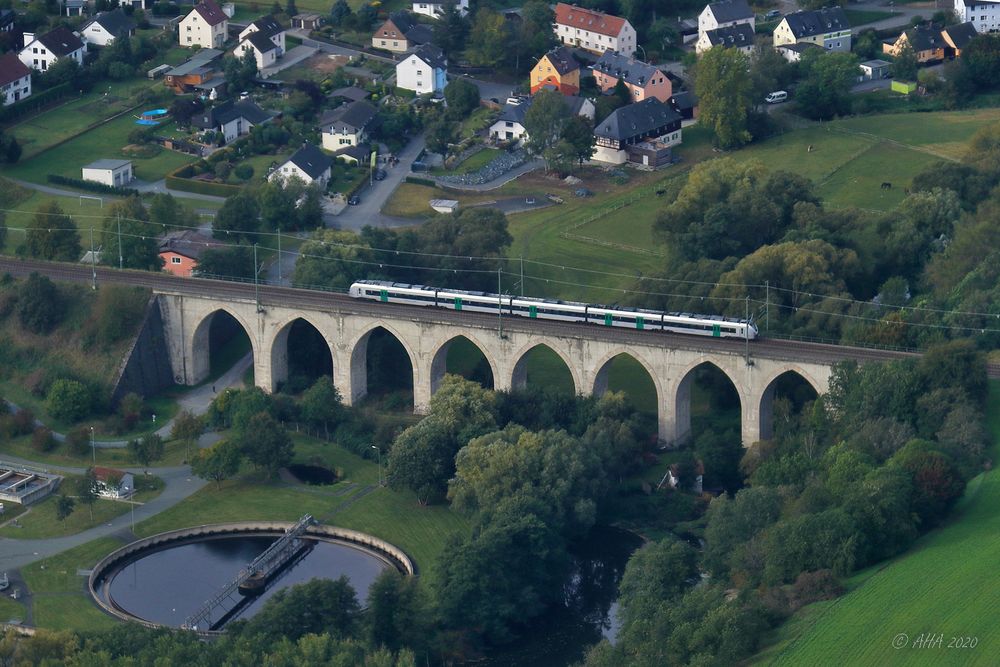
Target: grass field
[(858, 17), (945, 585)]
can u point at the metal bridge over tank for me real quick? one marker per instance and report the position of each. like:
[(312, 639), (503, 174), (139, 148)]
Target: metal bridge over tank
[(263, 566)]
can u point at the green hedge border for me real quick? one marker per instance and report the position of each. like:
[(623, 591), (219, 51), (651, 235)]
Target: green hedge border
[(93, 186)]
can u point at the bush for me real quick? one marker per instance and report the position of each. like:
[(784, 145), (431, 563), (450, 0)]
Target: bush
[(92, 186), (37, 382), (244, 172), (78, 441), (130, 408), (23, 422), (69, 400), (117, 313), (40, 306), (42, 440), (815, 586)]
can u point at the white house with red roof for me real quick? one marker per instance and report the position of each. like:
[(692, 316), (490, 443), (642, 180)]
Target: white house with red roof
[(112, 483), (15, 79), (206, 26), (593, 31)]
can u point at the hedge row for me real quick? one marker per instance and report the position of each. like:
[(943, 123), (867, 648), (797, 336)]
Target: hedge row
[(35, 102), (175, 182), (416, 180), (93, 186)]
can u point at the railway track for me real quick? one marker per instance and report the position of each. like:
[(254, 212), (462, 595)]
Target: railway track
[(773, 348)]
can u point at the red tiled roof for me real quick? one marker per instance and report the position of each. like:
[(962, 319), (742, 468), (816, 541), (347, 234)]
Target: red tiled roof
[(104, 474), (588, 19), (12, 69), (211, 12)]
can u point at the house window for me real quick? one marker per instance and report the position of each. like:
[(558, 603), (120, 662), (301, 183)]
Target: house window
[(420, 72), (175, 260), (35, 50), (509, 124)]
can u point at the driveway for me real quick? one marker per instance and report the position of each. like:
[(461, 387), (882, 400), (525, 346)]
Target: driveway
[(292, 57)]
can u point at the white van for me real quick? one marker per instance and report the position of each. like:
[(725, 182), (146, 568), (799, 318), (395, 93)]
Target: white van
[(776, 96)]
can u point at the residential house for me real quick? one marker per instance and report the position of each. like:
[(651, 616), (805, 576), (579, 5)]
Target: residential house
[(423, 71), (202, 71), (642, 133), (74, 7), (106, 27), (206, 26), (348, 125), (580, 106), (232, 119), (984, 15), (436, 9), (685, 103), (400, 33), (181, 250), (308, 22), (875, 70), (309, 163), (42, 52), (509, 125), (116, 173), (557, 69), (265, 38), (269, 27), (957, 37), (593, 31), (793, 52), (827, 27), (642, 79), (723, 14), (15, 79), (7, 18), (349, 94), (739, 36), (111, 483), (925, 40)]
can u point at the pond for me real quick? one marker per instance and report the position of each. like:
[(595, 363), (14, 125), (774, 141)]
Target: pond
[(314, 475)]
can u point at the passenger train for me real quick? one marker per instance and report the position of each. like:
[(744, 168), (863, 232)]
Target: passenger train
[(544, 309)]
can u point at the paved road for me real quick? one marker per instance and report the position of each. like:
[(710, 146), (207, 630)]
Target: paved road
[(764, 348)]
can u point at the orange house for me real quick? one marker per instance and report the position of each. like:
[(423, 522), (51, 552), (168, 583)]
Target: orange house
[(180, 251), (557, 69)]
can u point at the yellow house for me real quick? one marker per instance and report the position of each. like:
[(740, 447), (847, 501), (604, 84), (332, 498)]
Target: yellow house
[(558, 69)]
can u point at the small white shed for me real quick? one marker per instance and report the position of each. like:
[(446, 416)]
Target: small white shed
[(117, 173)]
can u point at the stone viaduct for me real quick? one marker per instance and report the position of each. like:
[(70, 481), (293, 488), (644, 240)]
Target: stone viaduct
[(426, 334)]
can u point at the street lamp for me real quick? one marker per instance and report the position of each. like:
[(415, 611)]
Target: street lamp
[(379, 451), (93, 447), (643, 52)]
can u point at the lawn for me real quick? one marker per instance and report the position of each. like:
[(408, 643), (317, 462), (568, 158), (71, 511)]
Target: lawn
[(411, 200), (944, 133), (10, 610), (945, 584), (474, 162), (857, 17), (859, 183)]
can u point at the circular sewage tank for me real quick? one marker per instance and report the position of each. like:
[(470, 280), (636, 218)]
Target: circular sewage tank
[(165, 579)]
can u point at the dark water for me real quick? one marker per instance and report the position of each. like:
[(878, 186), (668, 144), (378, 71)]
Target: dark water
[(168, 586), (316, 475), (587, 614)]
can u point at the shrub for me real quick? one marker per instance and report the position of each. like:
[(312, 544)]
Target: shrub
[(69, 400), (117, 313), (815, 586), (42, 440), (23, 422), (40, 306), (78, 441), (37, 382), (130, 409), (93, 186), (244, 172)]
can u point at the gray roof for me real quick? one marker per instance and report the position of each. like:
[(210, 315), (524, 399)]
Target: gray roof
[(357, 115), (61, 41), (230, 111), (402, 20), (875, 63), (198, 60), (961, 34), (114, 22), (807, 23), (420, 34), (739, 35), (189, 243), (730, 10), (562, 59), (799, 47), (682, 100), (352, 93), (637, 120), (311, 160), (925, 38), (267, 26), (107, 163), (514, 112), (431, 55), (628, 69), (261, 42)]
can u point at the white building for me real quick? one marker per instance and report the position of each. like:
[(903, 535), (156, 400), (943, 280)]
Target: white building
[(42, 52), (15, 79), (116, 173), (309, 163), (739, 36), (983, 14), (265, 37), (724, 14), (436, 9), (828, 28), (106, 26), (347, 125), (509, 125), (206, 26), (593, 31), (423, 71), (232, 119), (113, 483)]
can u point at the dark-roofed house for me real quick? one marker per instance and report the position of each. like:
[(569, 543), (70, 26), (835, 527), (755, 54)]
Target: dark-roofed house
[(350, 93), (15, 79), (435, 8), (106, 27), (200, 69), (347, 125), (400, 33), (42, 52), (739, 36), (642, 79), (423, 71), (827, 27), (206, 26), (641, 133), (685, 103), (925, 40), (308, 163), (232, 119), (265, 37), (509, 125), (593, 31), (557, 69), (723, 14), (181, 250), (7, 18), (957, 37)]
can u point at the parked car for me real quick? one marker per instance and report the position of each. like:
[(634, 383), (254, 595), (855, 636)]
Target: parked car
[(354, 200), (380, 175), (773, 14), (776, 97)]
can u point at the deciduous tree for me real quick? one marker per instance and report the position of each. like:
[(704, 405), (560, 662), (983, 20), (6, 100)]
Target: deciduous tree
[(724, 95), (265, 443), (52, 235), (218, 462)]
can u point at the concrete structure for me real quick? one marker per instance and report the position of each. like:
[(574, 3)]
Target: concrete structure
[(25, 485), (642, 79), (426, 334), (309, 163), (425, 71), (557, 69), (642, 133), (15, 79), (740, 36), (106, 27), (113, 483), (593, 31), (206, 26), (42, 52), (265, 38), (724, 14), (400, 33), (983, 14), (874, 70), (827, 27), (116, 173), (436, 9), (347, 125)]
